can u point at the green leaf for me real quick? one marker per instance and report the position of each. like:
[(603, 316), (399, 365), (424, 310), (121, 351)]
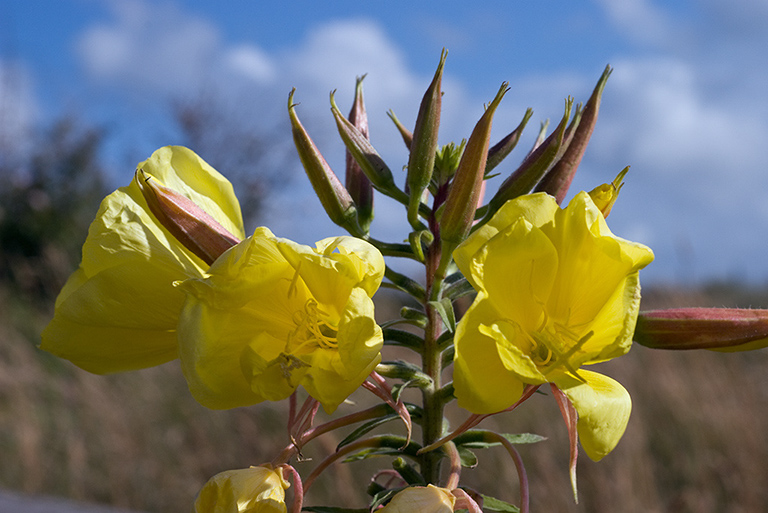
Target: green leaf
[(382, 498), (444, 308), (369, 426), (476, 439), (468, 458), (494, 504)]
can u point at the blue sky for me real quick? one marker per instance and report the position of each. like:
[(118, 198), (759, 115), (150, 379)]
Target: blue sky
[(685, 106)]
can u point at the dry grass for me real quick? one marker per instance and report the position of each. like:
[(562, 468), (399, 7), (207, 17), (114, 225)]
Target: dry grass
[(696, 440)]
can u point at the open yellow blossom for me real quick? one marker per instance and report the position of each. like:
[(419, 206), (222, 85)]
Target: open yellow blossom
[(119, 310), (556, 291), (272, 314), (421, 499), (247, 490)]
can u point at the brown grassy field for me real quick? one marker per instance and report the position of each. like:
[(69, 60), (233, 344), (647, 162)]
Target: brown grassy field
[(697, 440)]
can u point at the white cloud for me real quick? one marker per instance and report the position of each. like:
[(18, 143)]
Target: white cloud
[(641, 21), (18, 111)]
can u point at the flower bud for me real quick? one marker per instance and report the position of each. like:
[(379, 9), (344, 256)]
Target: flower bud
[(719, 329), (424, 145), (245, 490), (459, 210), (406, 134), (535, 165), (421, 499), (501, 149), (604, 196), (188, 223), (358, 185), (365, 154), (336, 201), (558, 179)]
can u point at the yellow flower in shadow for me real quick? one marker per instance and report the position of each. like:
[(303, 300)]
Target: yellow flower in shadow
[(556, 291), (421, 499), (119, 310), (272, 314), (248, 490)]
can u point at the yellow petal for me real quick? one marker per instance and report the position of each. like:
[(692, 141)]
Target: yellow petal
[(481, 382), (335, 267), (421, 499), (592, 266), (245, 334), (522, 264), (248, 490), (603, 406), (538, 209), (119, 310), (335, 374)]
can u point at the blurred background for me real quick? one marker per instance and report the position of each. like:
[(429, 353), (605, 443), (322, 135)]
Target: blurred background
[(89, 88)]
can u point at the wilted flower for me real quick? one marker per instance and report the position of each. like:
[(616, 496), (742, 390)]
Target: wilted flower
[(271, 315), (248, 490), (556, 291), (119, 310), (421, 499)]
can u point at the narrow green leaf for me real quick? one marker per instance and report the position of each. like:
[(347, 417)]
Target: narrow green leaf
[(494, 504), (468, 458), (444, 308)]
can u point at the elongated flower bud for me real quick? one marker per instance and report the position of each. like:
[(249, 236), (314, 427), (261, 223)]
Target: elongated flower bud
[(557, 181), (604, 196), (336, 201), (424, 145), (406, 134), (188, 223), (535, 165), (365, 154), (719, 329), (459, 212), (501, 149), (358, 184)]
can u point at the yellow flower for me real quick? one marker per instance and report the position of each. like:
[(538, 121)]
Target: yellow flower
[(421, 499), (556, 290), (271, 315), (119, 310), (248, 490)]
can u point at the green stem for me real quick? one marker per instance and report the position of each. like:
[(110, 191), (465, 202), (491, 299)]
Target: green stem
[(432, 426)]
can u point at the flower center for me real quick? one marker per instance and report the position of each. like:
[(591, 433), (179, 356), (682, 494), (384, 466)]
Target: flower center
[(553, 345), (312, 330)]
